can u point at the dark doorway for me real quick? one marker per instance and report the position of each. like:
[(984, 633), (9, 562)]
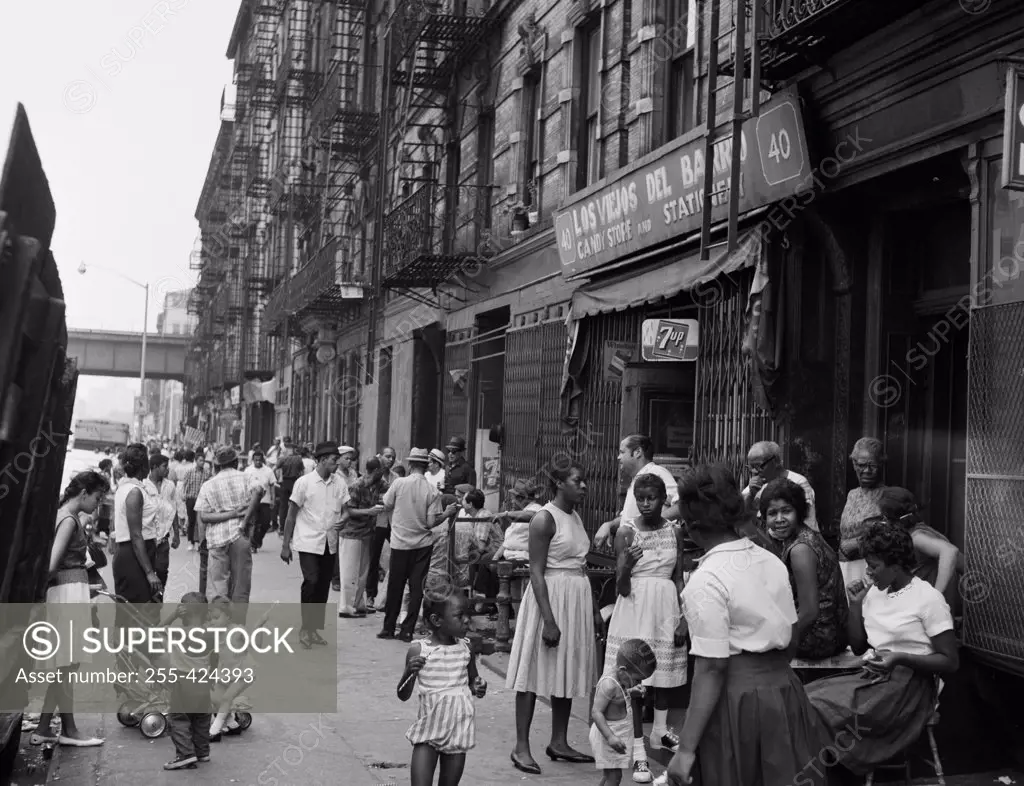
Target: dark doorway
[(384, 397), (428, 362), (926, 273), (488, 370)]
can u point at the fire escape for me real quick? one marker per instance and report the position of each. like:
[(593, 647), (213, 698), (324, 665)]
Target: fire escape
[(321, 195), (770, 42), (432, 226)]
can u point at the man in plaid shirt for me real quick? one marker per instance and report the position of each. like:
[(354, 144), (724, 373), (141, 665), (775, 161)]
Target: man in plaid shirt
[(228, 503)]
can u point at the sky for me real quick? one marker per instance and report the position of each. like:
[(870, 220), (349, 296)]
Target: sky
[(123, 97)]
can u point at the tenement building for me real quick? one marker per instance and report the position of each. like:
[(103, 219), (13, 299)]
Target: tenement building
[(546, 225)]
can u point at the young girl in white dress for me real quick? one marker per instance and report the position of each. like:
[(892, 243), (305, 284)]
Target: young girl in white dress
[(445, 669), (649, 579)]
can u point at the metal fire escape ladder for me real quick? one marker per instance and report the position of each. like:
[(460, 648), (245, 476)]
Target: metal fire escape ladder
[(713, 196)]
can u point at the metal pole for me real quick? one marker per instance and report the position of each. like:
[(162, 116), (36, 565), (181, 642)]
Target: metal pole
[(142, 368)]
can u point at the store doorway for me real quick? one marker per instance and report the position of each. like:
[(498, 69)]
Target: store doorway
[(926, 269), (658, 399)]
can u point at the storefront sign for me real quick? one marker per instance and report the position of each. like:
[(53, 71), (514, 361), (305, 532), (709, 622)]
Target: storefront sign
[(1013, 129), (664, 199), (669, 340), (616, 355)]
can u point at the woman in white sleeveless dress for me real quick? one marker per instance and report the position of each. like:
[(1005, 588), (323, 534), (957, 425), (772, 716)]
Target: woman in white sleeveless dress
[(553, 649)]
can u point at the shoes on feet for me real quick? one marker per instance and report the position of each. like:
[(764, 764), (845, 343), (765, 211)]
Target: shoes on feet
[(183, 763), (642, 772), (666, 739), (386, 634)]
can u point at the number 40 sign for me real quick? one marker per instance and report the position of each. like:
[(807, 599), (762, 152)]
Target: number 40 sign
[(669, 339)]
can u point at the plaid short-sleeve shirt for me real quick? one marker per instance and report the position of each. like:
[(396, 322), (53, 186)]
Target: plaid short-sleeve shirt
[(227, 490)]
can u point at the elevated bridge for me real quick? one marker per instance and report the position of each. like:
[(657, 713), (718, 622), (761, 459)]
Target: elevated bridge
[(108, 353)]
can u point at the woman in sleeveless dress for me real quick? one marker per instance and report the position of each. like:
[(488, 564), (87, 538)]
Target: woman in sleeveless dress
[(69, 583), (135, 577), (553, 648), (649, 579), (814, 572)]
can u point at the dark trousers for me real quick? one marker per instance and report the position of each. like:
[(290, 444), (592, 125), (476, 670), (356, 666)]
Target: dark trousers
[(190, 732), (162, 564), (284, 497), (263, 516), (316, 586), (407, 567), (380, 537), (204, 565), (190, 531)]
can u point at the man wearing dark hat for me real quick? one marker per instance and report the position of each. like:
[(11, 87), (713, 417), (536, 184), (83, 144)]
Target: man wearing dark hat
[(230, 557), (415, 507), (459, 470), (314, 513)]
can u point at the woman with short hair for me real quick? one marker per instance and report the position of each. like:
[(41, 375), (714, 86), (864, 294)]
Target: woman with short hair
[(553, 650), (748, 714), (135, 577), (907, 623), (861, 509)]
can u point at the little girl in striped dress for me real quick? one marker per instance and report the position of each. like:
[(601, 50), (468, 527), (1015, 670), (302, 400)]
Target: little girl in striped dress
[(446, 671)]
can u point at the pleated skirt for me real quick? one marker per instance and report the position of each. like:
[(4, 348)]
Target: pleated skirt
[(870, 722), (763, 731), (568, 670), (650, 613)]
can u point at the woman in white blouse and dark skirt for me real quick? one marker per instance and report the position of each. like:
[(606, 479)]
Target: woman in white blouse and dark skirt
[(749, 722)]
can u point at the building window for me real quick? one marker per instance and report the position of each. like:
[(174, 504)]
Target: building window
[(485, 165), (531, 142), (589, 158), (680, 93)]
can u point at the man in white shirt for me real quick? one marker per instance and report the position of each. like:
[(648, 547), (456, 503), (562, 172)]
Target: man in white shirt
[(265, 477), (764, 462), (314, 513), (636, 457), (160, 513)]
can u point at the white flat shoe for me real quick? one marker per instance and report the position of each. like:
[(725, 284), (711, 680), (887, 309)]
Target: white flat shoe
[(90, 742)]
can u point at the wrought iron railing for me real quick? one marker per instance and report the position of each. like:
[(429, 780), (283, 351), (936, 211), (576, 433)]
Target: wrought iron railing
[(442, 226), (344, 110), (320, 287)]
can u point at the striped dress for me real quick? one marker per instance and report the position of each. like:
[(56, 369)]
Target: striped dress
[(446, 712)]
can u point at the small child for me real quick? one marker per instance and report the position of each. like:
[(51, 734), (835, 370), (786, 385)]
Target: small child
[(190, 730), (445, 668), (611, 735)]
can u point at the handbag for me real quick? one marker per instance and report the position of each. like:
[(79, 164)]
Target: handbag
[(96, 553)]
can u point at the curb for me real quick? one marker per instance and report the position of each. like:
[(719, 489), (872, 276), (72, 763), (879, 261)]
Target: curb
[(82, 765)]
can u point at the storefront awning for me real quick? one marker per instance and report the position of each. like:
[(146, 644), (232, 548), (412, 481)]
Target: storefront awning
[(632, 288)]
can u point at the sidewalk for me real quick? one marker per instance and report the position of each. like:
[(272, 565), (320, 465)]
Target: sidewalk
[(362, 745)]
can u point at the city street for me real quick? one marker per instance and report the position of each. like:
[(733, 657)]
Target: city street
[(363, 745)]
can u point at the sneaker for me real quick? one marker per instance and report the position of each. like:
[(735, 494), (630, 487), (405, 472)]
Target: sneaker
[(641, 772), (668, 740), (182, 763), (204, 759), (336, 586), (371, 605)]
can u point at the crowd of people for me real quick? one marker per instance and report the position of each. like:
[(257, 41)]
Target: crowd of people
[(767, 588)]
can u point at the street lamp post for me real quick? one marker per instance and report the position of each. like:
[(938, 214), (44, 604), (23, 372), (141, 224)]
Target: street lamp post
[(139, 416)]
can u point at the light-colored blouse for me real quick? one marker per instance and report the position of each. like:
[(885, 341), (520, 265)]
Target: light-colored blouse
[(906, 620), (739, 600)]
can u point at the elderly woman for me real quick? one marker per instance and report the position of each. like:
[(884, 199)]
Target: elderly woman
[(553, 652), (861, 510), (907, 623), (813, 570)]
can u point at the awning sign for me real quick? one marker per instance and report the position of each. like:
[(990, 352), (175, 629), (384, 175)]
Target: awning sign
[(1013, 130), (669, 340), (663, 199)]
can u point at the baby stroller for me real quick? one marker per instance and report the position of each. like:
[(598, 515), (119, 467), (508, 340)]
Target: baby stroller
[(143, 705)]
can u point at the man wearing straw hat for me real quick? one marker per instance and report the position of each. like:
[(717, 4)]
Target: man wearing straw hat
[(415, 507)]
